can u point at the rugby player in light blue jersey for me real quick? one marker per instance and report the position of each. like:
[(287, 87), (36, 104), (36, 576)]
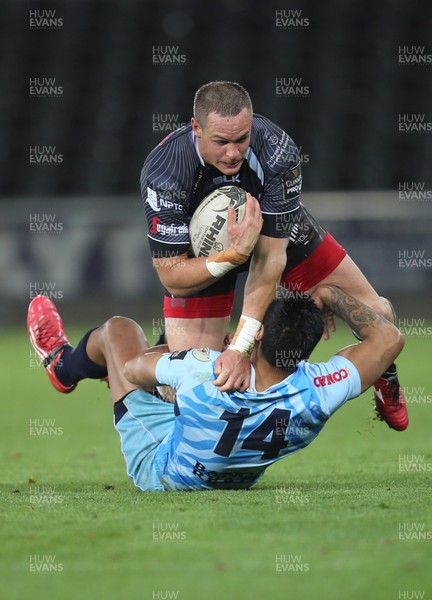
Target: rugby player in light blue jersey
[(208, 439)]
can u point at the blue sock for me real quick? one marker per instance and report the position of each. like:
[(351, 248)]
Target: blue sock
[(75, 364)]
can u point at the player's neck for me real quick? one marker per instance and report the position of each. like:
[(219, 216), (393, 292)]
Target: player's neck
[(265, 374)]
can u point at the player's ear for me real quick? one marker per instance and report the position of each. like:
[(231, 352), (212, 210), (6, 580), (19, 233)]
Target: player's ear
[(196, 128), (259, 334)]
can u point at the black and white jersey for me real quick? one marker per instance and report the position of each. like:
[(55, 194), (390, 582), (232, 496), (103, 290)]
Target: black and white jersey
[(175, 179)]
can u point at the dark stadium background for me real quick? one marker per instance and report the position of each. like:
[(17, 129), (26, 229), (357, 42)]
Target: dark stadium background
[(103, 126)]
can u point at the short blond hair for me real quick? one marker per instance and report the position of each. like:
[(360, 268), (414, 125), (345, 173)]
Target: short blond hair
[(226, 98)]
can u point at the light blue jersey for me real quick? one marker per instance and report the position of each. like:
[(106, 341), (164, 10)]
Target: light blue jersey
[(227, 440)]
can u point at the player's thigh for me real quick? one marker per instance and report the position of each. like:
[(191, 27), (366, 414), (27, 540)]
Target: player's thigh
[(143, 423), (201, 332), (351, 280)]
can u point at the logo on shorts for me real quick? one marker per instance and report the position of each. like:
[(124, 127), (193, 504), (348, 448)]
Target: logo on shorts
[(323, 380)]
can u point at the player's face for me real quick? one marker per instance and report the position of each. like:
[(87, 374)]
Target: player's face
[(223, 141)]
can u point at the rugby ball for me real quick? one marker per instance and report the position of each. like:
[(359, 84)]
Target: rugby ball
[(208, 228)]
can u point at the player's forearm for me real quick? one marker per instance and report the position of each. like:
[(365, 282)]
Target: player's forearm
[(186, 276), (362, 319), (260, 290), (382, 341), (261, 284)]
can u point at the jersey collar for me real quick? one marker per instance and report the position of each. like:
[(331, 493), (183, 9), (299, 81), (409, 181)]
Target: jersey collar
[(195, 142)]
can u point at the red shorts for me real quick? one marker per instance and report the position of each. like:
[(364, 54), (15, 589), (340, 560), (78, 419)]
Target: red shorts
[(309, 272), (192, 307), (315, 267)]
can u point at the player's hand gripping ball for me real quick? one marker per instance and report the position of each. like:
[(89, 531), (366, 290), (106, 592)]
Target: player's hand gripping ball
[(208, 228)]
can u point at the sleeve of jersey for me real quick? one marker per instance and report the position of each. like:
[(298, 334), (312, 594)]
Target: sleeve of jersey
[(282, 177), (186, 369), (335, 382), (164, 199)]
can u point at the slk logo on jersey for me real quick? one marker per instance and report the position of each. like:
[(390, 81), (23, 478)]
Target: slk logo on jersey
[(152, 199), (323, 380), (226, 179)]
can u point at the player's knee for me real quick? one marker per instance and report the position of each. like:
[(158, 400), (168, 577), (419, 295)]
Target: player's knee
[(116, 326)]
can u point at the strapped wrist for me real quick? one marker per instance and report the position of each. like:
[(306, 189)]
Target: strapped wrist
[(244, 338), (220, 263)]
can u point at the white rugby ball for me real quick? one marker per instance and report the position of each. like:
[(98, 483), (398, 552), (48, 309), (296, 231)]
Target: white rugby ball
[(208, 227)]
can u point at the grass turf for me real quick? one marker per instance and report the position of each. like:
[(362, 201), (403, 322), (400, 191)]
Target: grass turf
[(324, 523)]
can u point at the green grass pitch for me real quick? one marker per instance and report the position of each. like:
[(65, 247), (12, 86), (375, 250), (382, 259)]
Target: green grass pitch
[(350, 517)]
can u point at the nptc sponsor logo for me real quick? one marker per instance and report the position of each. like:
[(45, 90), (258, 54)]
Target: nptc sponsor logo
[(158, 202)]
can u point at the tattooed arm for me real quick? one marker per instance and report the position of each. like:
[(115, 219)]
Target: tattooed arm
[(382, 341)]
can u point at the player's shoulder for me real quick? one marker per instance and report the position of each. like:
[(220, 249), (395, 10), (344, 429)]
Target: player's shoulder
[(182, 135), (273, 142), (171, 164), (178, 137), (177, 141), (262, 124)]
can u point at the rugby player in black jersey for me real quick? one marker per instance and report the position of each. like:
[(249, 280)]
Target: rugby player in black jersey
[(278, 241)]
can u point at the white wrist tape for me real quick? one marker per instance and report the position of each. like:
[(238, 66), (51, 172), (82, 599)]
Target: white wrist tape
[(217, 269), (244, 338), (220, 263)]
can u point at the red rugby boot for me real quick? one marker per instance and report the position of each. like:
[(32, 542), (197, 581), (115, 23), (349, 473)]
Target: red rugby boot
[(46, 332), (390, 403)]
